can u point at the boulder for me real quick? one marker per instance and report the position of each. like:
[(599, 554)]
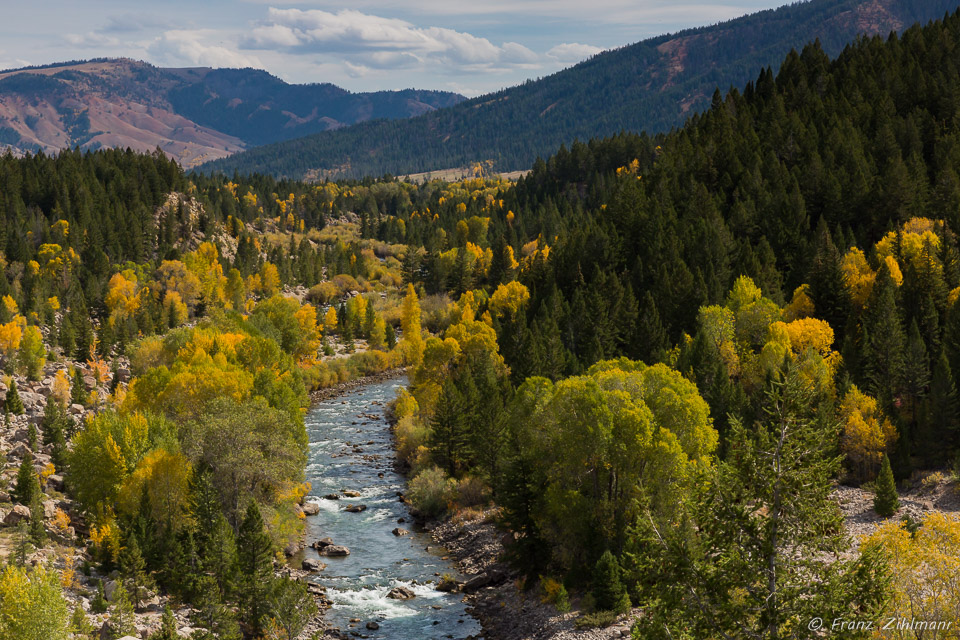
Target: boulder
[(351, 493), (356, 508), (76, 409), (400, 532), (18, 514), (448, 585), (49, 508), (401, 593), (334, 550), (491, 576), (322, 542), (331, 496), (310, 508), (312, 564), (372, 626), (55, 482), (110, 589)]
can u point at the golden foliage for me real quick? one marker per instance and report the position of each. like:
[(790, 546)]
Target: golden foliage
[(867, 433)]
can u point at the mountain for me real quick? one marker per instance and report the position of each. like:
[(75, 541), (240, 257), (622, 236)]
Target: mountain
[(193, 114), (653, 85)]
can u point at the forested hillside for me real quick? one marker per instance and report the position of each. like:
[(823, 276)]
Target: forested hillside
[(655, 361), (650, 86)]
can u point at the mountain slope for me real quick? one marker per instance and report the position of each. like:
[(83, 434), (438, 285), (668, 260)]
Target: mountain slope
[(653, 85), (194, 114)]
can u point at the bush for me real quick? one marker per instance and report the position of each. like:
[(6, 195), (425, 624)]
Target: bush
[(431, 491), (411, 435), (554, 592), (596, 619), (472, 492)]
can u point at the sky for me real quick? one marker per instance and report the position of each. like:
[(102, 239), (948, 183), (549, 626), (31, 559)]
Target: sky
[(468, 46)]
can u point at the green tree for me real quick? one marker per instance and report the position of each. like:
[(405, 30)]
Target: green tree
[(133, 567), (78, 388), (32, 355), (449, 442), (886, 502), (756, 557), (28, 485), (292, 605), (941, 420), (32, 606), (38, 534), (168, 626), (608, 591), (255, 564), (13, 404), (122, 618)]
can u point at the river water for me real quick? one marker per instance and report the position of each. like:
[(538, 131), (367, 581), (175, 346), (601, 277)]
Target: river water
[(351, 450)]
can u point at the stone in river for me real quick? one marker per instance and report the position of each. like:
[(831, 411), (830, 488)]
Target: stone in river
[(401, 593), (400, 532), (334, 550), (310, 508), (310, 564), (356, 508)]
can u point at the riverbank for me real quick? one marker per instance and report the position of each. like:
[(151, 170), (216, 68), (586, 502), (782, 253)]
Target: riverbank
[(505, 612), (329, 393)]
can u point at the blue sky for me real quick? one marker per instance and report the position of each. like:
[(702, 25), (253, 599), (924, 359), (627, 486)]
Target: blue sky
[(470, 46)]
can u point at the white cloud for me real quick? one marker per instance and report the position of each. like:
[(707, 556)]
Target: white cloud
[(91, 40), (193, 47), (570, 52), (386, 43)]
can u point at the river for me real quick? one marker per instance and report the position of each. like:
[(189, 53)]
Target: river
[(351, 449)]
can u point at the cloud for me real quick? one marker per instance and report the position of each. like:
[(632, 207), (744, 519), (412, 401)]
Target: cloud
[(91, 40), (372, 41), (570, 52), (192, 47)]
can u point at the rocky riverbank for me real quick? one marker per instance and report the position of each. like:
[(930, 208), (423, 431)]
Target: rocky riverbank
[(505, 611)]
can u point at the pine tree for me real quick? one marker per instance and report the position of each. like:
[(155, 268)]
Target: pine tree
[(13, 404), (27, 485), (886, 502), (134, 569), (53, 427), (255, 564), (38, 534), (122, 618), (942, 417), (168, 626), (22, 545), (98, 604), (883, 343), (32, 437), (78, 388), (608, 591), (448, 439)]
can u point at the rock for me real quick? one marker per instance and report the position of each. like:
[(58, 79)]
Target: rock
[(49, 508), (4, 496), (18, 514), (18, 452), (110, 589), (448, 585), (310, 508), (356, 508), (55, 482), (331, 496), (373, 626), (401, 593), (399, 532), (292, 548), (351, 494), (311, 564), (76, 409), (491, 576), (334, 550), (322, 542)]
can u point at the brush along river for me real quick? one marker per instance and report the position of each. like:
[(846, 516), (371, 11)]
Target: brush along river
[(351, 450)]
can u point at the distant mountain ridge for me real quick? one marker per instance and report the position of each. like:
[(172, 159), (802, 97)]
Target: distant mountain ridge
[(193, 114), (652, 85)]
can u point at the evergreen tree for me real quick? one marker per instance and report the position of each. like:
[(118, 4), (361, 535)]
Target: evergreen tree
[(391, 336), (98, 604), (78, 388), (255, 564), (609, 593), (133, 567), (886, 502), (758, 550), (54, 427), (448, 436), (292, 605), (883, 341), (22, 544), (38, 534), (33, 439), (168, 626), (123, 622), (13, 404), (27, 485), (938, 432)]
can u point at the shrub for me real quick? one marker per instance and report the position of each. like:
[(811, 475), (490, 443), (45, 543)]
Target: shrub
[(472, 492), (555, 593), (596, 619), (431, 491), (608, 590), (411, 435)]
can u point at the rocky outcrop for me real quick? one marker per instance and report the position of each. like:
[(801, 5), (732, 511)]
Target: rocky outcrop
[(401, 593)]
